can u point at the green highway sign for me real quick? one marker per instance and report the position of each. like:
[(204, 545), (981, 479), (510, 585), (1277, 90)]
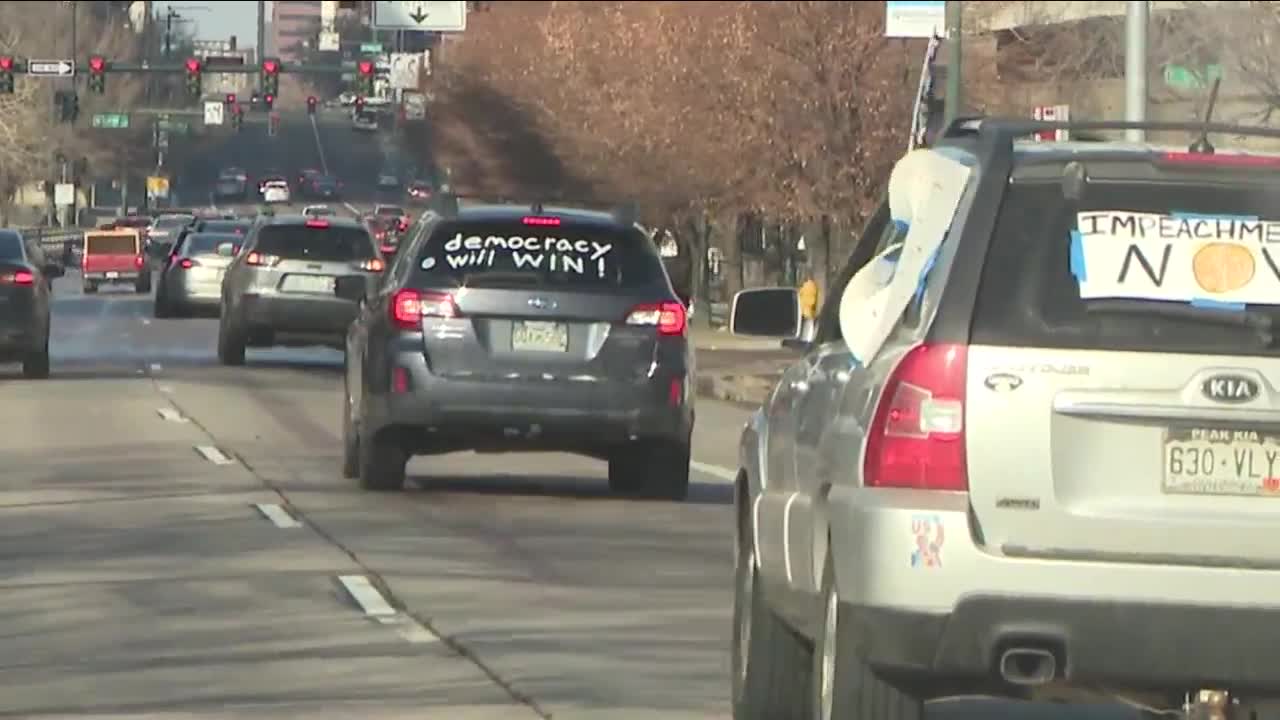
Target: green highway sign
[(111, 121), (371, 48), (1180, 77)]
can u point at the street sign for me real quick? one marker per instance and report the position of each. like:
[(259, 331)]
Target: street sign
[(370, 49), (158, 186), (915, 18), (1052, 113), (406, 69), (420, 15), (111, 121), (64, 194), (329, 42), (51, 68), (213, 112)]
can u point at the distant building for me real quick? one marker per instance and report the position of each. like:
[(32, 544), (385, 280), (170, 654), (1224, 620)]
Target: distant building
[(295, 26)]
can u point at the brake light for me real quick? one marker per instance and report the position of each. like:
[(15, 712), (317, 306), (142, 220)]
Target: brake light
[(917, 437), (547, 221), (21, 277), (373, 265), (319, 223), (669, 317), (261, 260), (408, 307), (403, 225), (388, 249), (187, 264), (139, 262), (1224, 160)]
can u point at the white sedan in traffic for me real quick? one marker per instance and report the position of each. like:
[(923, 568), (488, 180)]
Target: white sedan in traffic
[(276, 191)]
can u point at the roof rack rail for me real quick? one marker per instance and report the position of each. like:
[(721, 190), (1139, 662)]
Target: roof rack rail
[(627, 213), (446, 205), (1014, 128)]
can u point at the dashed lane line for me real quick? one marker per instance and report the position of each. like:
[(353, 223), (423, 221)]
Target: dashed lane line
[(721, 474), (278, 515), (171, 415), (366, 596), (214, 455)]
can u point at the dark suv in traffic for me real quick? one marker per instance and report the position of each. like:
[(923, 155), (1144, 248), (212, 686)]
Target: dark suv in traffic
[(518, 328)]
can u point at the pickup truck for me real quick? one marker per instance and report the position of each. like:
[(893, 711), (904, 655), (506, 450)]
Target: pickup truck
[(115, 257)]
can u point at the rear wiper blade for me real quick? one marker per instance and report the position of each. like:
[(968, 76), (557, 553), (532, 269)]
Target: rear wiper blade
[(1181, 311)]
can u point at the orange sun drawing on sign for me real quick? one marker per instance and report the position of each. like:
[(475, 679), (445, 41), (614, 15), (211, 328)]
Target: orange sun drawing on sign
[(1223, 267)]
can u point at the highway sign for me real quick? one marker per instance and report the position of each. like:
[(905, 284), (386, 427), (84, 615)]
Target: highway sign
[(213, 112), (111, 121), (51, 68), (915, 19), (158, 186), (420, 15), (64, 194), (370, 49), (406, 69)]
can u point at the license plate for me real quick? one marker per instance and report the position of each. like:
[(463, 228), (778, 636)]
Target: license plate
[(537, 336), (1217, 461), (308, 284), (113, 275)]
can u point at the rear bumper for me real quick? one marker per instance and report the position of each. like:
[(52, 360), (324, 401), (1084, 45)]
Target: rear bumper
[(536, 412), (113, 276), (179, 289), (298, 313), (925, 597)]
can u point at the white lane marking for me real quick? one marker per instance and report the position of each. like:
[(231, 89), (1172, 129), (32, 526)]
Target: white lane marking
[(315, 130), (278, 515), (146, 321), (214, 455), (155, 367), (354, 210), (366, 595), (416, 634), (171, 415), (722, 474), (165, 388)]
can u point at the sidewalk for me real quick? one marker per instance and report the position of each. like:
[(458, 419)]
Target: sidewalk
[(738, 369)]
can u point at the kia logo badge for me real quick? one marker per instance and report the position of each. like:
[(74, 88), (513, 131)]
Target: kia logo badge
[(1234, 389)]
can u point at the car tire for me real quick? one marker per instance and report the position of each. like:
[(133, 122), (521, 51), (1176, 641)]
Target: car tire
[(657, 470), (380, 461), (842, 683), (90, 288), (35, 366), (231, 344), (350, 437), (771, 662)]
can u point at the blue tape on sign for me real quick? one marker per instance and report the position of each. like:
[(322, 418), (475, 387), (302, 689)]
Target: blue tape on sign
[(924, 275), (1209, 304), (901, 226), (1211, 216), (1077, 257)]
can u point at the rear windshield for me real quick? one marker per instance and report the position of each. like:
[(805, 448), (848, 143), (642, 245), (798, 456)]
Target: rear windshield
[(133, 222), (207, 243), (235, 227), (1179, 266), (111, 245), (495, 254), (11, 247), (332, 244), (173, 222)]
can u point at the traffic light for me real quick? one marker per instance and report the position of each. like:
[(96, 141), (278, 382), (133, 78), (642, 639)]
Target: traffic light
[(364, 86), (268, 101), (311, 105), (6, 75), (359, 104), (97, 75), (194, 81), (271, 76), (230, 100)]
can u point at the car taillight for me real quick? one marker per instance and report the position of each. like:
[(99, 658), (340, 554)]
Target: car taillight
[(139, 262), (261, 260), (21, 277), (381, 235), (917, 437), (1231, 160), (388, 249), (408, 307), (373, 265), (187, 263), (669, 317), (403, 225), (317, 223)]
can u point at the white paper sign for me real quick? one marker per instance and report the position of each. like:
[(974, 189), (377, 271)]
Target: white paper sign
[(924, 192), (1178, 257)]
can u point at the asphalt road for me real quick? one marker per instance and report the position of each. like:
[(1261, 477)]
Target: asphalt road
[(141, 578)]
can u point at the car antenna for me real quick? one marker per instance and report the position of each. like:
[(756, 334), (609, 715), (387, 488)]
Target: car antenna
[(537, 207), (1202, 145)]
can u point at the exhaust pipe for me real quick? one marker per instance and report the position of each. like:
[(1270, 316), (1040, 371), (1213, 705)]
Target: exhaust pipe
[(1028, 666)]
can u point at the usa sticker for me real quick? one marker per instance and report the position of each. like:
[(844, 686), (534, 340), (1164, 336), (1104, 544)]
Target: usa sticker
[(929, 538)]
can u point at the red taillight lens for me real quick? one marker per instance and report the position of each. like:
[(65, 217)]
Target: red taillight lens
[(318, 223), (399, 380), (21, 277), (408, 307), (187, 264), (403, 225), (373, 265), (261, 260), (917, 437), (388, 249), (669, 317), (547, 221), (1233, 160), (139, 262)]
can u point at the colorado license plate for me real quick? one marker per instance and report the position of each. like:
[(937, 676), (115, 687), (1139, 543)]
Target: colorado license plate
[(322, 284), (538, 336), (1216, 461)]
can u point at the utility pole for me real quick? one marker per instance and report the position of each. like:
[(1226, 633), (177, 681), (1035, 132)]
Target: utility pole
[(75, 46), (168, 31), (1135, 66), (262, 30), (955, 57)]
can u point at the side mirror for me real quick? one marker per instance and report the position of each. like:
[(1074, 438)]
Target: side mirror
[(766, 312), (54, 270), (226, 249), (351, 287)]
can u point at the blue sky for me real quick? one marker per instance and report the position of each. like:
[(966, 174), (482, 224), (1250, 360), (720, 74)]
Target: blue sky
[(223, 19)]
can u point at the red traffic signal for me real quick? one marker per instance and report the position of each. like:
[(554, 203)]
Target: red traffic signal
[(193, 66), (6, 64), (366, 67), (311, 101), (231, 98), (270, 67), (268, 99), (97, 64)]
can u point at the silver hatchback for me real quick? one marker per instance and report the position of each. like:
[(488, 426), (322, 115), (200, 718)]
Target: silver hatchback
[(191, 281)]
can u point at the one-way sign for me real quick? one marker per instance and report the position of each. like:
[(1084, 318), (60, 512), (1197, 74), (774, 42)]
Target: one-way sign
[(51, 68)]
